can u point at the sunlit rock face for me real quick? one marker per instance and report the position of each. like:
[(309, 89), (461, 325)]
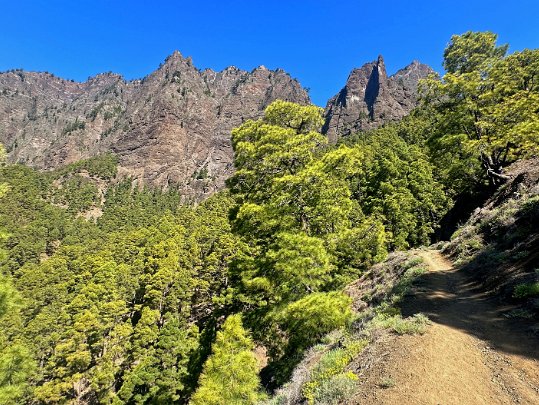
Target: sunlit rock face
[(171, 128), (370, 98)]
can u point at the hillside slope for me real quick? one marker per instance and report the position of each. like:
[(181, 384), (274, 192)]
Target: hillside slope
[(483, 345), (471, 354), (499, 244), (480, 294)]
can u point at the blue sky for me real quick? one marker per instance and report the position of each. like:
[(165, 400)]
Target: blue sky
[(318, 42)]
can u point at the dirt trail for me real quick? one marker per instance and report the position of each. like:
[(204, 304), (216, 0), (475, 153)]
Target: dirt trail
[(471, 354)]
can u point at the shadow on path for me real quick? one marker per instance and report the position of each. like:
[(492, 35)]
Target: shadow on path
[(450, 297)]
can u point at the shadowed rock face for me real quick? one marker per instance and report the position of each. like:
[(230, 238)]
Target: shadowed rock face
[(371, 98), (170, 128)]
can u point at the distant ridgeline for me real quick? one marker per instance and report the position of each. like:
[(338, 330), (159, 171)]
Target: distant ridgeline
[(116, 291)]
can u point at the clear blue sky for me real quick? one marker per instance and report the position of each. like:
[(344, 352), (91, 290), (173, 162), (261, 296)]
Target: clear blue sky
[(318, 42)]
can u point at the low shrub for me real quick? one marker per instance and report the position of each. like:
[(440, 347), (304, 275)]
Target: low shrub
[(406, 282), (526, 290), (387, 382), (337, 388), (416, 324), (329, 381)]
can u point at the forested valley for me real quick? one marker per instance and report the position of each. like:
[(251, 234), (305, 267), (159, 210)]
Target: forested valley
[(117, 294)]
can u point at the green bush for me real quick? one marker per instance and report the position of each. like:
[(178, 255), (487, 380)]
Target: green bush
[(333, 391), (387, 382), (310, 318), (413, 262), (416, 324), (415, 268), (526, 290), (329, 381)]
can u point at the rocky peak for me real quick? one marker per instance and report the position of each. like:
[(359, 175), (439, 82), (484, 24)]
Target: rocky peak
[(170, 128), (173, 127), (370, 98), (103, 79), (176, 58)]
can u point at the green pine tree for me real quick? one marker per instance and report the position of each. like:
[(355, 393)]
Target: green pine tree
[(230, 375), (486, 108)]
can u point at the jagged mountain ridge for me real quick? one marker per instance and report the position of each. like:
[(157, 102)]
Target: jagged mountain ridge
[(370, 98), (173, 126)]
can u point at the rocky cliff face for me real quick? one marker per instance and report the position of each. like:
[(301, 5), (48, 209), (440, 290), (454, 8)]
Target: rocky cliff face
[(173, 126), (371, 98), (170, 128)]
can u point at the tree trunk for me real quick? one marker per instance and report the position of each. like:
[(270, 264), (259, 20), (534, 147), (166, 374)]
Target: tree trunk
[(493, 167)]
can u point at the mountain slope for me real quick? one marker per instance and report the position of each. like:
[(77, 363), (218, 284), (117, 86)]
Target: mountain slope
[(170, 128)]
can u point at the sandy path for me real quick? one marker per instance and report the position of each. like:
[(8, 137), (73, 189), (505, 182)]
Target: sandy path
[(471, 354)]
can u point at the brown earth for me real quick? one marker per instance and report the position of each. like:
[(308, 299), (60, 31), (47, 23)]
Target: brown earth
[(474, 352)]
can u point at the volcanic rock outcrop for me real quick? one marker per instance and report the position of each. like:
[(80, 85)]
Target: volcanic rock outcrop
[(170, 128), (370, 98)]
